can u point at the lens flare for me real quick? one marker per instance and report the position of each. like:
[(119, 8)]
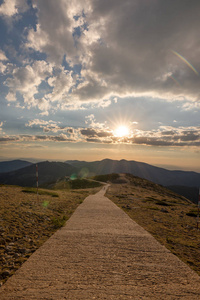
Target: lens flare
[(73, 176), (175, 80), (186, 61), (45, 203)]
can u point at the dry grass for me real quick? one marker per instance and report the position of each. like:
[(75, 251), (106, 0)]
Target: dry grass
[(27, 222), (162, 213)]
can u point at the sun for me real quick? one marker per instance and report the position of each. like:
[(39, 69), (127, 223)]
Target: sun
[(121, 131)]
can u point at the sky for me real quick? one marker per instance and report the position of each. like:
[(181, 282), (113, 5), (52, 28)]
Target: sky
[(95, 79)]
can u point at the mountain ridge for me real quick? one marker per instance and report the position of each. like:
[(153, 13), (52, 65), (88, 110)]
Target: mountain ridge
[(50, 172), (156, 174), (13, 165)]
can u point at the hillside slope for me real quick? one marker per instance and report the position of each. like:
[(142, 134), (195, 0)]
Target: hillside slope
[(48, 172), (143, 170), (170, 218), (13, 165)]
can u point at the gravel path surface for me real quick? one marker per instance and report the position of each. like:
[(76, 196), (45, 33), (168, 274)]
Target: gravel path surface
[(102, 254)]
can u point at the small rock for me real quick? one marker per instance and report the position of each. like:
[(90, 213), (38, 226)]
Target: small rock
[(11, 244)]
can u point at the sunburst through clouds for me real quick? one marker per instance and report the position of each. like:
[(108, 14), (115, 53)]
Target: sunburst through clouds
[(122, 131)]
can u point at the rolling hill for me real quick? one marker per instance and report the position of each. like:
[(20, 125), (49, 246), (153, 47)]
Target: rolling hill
[(13, 165), (183, 182), (49, 172), (140, 169)]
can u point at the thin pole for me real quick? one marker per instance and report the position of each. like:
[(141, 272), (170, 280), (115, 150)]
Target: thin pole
[(198, 210), (37, 179)]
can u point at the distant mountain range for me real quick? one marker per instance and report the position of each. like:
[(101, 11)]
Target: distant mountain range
[(49, 172), (143, 170), (183, 182), (13, 165)]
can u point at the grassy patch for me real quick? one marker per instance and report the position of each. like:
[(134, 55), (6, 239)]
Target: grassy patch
[(27, 221), (176, 229), (59, 222), (40, 192)]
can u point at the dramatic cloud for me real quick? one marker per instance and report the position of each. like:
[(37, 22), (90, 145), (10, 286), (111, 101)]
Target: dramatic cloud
[(56, 38), (137, 55), (94, 58), (76, 71), (164, 136)]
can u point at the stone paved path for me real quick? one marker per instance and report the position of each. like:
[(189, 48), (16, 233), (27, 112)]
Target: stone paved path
[(102, 254)]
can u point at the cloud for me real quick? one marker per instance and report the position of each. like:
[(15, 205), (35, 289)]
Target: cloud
[(10, 8), (91, 122), (51, 126), (5, 139), (133, 56), (165, 136), (56, 38), (26, 81), (92, 133), (2, 67), (61, 84), (44, 113), (38, 122), (11, 97), (174, 137), (180, 136), (3, 58), (90, 140), (34, 138), (59, 138), (2, 55)]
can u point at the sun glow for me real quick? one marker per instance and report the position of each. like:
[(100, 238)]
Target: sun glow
[(121, 131)]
